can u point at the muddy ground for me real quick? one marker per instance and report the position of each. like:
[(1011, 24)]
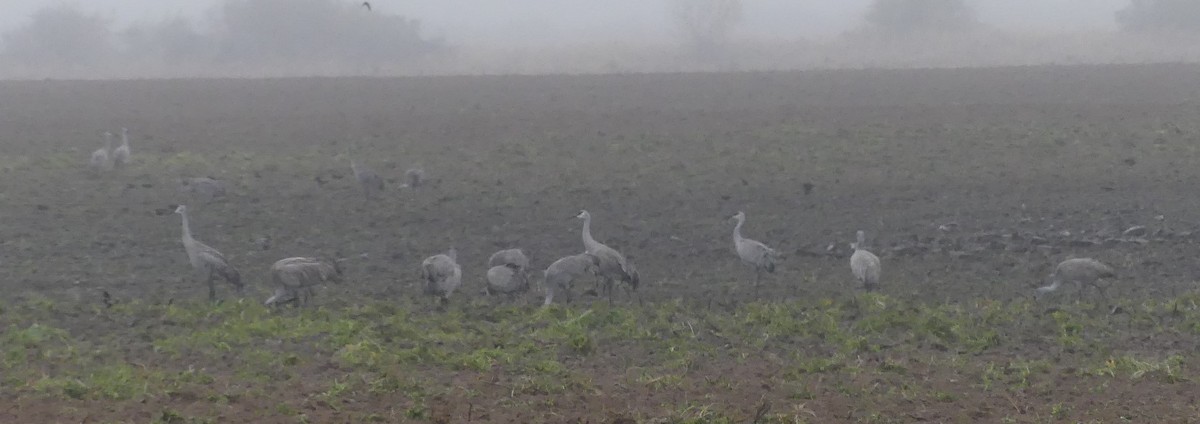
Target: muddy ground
[(970, 184)]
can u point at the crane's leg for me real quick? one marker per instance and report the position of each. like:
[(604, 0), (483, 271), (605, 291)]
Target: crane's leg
[(1101, 290), (757, 280), (212, 286)]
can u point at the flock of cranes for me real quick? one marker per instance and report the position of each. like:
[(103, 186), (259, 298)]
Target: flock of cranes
[(508, 270), (106, 158)]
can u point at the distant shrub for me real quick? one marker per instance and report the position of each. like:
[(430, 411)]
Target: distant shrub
[(1160, 15), (706, 23), (318, 30), (60, 35), (918, 16)]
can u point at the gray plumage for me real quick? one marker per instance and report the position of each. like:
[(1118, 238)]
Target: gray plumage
[(506, 279), (865, 265), (560, 274), (613, 266), (294, 278), (205, 187), (515, 257), (121, 156), (414, 177), (509, 256), (756, 254), (101, 160), (371, 183), (441, 274), (1079, 271), (207, 260)]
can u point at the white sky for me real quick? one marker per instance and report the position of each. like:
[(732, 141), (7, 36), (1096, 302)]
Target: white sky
[(535, 22)]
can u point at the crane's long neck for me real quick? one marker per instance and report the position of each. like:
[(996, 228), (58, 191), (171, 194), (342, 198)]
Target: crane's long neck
[(862, 238), (124, 138), (588, 241), (737, 229), (187, 229)]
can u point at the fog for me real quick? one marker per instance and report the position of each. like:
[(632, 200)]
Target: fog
[(582, 36)]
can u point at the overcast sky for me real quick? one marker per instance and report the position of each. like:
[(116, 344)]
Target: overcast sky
[(538, 22)]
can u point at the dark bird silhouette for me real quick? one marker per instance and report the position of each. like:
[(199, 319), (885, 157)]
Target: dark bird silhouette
[(367, 5)]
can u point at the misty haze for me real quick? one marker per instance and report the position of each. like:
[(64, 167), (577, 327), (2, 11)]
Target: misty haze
[(549, 211)]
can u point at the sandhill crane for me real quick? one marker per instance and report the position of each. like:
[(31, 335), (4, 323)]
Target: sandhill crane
[(864, 264), (294, 278), (560, 274), (613, 266), (207, 260), (370, 182), (515, 257), (506, 279), (100, 160), (121, 154), (413, 177), (441, 274), (204, 186), (758, 255), (367, 5), (1079, 271)]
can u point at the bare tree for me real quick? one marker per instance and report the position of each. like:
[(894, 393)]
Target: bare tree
[(706, 24), (921, 16), (60, 35)]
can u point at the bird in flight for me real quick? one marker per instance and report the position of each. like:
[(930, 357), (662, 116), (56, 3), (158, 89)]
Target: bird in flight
[(367, 5)]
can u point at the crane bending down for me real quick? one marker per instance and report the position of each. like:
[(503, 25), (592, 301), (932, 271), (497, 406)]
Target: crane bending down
[(506, 279), (561, 273), (367, 5), (442, 274), (121, 155), (294, 278), (1079, 271), (514, 257), (612, 266), (864, 264), (207, 260), (100, 160), (758, 255)]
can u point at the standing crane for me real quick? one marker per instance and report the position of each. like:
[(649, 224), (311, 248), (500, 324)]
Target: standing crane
[(207, 260), (371, 183), (121, 156), (758, 255), (612, 265)]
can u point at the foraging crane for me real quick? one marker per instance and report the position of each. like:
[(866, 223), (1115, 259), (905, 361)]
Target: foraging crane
[(613, 266), (560, 274), (120, 156), (370, 182), (515, 257), (506, 279), (207, 260), (441, 274), (758, 255), (207, 187), (100, 160), (1079, 271), (294, 278), (864, 264), (413, 177)]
